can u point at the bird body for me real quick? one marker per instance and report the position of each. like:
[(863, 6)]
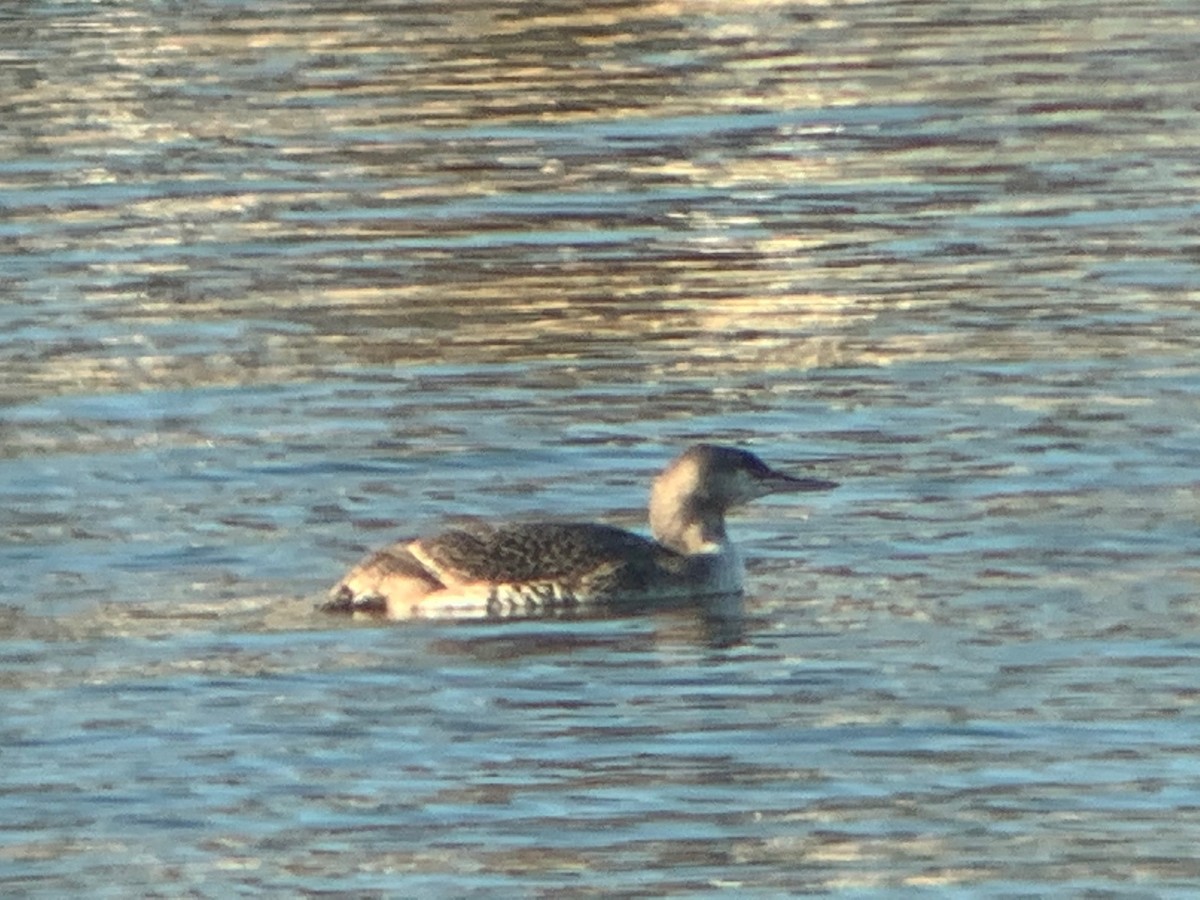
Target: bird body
[(564, 569)]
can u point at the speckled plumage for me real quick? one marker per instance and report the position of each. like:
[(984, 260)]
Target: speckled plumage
[(570, 552), (531, 569), (550, 569)]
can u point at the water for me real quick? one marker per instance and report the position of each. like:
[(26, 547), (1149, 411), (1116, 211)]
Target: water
[(284, 281)]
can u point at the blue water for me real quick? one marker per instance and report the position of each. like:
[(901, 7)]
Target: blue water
[(284, 282)]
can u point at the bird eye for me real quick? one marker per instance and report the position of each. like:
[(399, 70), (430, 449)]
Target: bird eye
[(754, 465)]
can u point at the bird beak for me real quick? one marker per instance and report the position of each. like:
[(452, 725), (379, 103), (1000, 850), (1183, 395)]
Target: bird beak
[(777, 482)]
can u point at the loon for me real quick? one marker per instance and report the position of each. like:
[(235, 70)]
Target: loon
[(562, 569)]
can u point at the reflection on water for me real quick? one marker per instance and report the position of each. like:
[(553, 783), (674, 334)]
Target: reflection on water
[(287, 280)]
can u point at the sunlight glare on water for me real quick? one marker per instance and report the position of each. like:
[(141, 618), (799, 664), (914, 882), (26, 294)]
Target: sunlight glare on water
[(285, 281)]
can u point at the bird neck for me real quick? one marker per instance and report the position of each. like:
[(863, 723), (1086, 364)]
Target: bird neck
[(688, 527)]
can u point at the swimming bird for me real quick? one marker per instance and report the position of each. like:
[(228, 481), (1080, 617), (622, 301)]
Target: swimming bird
[(565, 569)]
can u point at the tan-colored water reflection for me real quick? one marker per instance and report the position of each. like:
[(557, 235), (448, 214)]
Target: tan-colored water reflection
[(417, 160)]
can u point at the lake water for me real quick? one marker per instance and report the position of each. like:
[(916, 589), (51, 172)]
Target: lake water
[(283, 281)]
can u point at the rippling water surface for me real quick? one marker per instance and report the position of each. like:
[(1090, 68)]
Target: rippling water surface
[(283, 281)]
